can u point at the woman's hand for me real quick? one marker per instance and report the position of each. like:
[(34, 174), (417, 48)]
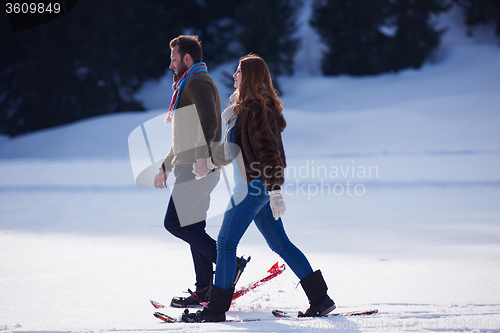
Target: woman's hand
[(277, 204), (202, 167)]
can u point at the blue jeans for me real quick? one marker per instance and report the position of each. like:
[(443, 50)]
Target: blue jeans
[(255, 206)]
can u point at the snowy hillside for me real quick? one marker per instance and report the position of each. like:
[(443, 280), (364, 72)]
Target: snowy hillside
[(392, 191)]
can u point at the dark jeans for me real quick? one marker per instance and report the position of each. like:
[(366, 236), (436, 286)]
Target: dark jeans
[(192, 197), (254, 206)]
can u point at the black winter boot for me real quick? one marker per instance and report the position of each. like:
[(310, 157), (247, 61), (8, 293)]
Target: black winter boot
[(319, 302), (219, 302), (194, 300), (201, 295)]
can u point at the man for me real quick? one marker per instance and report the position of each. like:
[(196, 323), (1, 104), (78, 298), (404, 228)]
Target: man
[(195, 109)]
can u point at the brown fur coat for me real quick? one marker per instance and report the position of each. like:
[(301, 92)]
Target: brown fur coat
[(258, 135)]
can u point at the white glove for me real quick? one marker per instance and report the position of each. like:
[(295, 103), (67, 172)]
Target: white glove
[(210, 166), (196, 175), (277, 204)]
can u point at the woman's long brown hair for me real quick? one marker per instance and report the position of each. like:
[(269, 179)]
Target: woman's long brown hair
[(256, 86)]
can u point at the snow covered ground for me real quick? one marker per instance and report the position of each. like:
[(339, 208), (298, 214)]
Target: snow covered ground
[(392, 191)]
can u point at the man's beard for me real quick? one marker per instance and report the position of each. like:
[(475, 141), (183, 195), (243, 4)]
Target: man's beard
[(181, 70)]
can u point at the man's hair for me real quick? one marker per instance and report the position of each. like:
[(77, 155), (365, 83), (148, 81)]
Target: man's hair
[(188, 45)]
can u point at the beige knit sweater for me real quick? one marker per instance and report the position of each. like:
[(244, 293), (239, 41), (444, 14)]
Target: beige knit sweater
[(196, 123)]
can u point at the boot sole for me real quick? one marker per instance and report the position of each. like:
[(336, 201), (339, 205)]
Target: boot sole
[(328, 310), (180, 304)]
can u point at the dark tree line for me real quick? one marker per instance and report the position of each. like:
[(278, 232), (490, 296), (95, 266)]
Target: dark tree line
[(88, 62), (481, 12), (94, 59), (375, 36), (262, 27), (366, 37)]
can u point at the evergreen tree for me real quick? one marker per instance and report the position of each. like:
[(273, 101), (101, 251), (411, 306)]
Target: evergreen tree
[(480, 12), (93, 60), (231, 29), (214, 23), (367, 37), (268, 28), (90, 61)]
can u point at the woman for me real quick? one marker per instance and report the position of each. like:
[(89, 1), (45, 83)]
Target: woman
[(254, 124)]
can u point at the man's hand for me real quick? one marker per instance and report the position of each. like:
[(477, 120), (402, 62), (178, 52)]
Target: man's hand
[(161, 179), (201, 167)]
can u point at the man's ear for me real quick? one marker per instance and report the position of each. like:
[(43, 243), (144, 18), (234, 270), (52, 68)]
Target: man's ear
[(187, 58)]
